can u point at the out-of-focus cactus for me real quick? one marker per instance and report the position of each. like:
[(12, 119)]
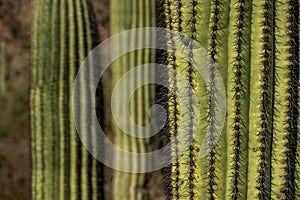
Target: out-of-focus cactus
[(125, 16), (63, 34)]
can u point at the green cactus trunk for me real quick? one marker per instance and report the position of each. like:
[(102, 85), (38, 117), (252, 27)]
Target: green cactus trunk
[(255, 46), (132, 14), (63, 34), (4, 70)]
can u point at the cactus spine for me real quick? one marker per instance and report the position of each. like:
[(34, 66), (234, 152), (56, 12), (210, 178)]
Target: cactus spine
[(261, 98), (218, 51), (193, 177), (63, 34), (238, 99), (133, 14), (255, 46), (182, 185), (286, 106)]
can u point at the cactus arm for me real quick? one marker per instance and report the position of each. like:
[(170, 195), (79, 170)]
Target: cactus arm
[(238, 99), (261, 100), (286, 101)]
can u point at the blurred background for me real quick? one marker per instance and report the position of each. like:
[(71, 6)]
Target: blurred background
[(15, 41)]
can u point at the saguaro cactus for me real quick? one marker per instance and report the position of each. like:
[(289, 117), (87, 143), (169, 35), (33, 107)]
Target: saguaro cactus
[(132, 14), (194, 177), (63, 34), (255, 46)]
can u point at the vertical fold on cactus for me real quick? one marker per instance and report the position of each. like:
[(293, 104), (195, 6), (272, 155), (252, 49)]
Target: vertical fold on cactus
[(191, 19), (172, 187), (74, 149), (172, 11), (218, 53), (135, 14), (64, 161), (191, 177), (54, 94), (61, 165), (119, 22), (202, 37), (212, 49), (45, 105), (293, 105), (33, 105), (261, 98), (238, 98), (286, 107)]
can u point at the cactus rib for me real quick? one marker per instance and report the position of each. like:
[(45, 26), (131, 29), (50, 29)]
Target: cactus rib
[(238, 94), (57, 153)]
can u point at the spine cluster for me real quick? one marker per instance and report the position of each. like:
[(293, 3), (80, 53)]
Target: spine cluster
[(254, 45)]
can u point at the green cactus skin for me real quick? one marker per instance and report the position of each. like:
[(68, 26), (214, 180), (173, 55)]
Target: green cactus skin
[(183, 169), (286, 107), (190, 173), (63, 34), (261, 100), (134, 14), (238, 99), (4, 70), (218, 52), (173, 184), (255, 45)]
